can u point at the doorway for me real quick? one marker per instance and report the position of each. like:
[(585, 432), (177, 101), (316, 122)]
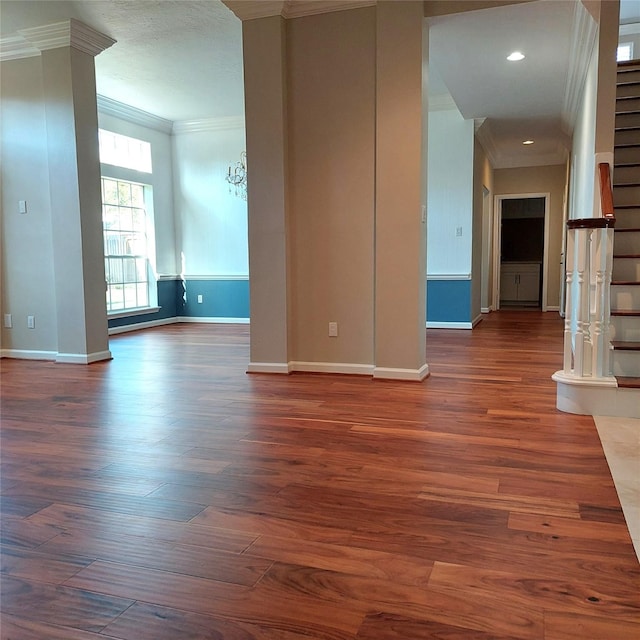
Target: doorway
[(520, 251)]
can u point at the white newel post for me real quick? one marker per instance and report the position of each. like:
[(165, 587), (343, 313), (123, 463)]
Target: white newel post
[(589, 265)]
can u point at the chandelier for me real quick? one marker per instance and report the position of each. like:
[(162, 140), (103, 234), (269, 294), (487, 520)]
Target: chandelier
[(237, 176)]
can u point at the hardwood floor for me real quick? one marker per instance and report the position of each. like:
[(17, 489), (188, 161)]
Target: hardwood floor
[(168, 495)]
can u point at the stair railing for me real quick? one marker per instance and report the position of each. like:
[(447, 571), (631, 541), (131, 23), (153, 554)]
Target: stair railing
[(589, 263)]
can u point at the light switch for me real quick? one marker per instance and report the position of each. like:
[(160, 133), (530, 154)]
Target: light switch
[(22, 206)]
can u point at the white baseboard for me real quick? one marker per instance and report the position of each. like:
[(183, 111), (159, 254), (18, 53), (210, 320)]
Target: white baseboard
[(268, 367), (213, 320), (390, 373), (125, 328), (449, 325), (82, 358), (477, 319), (553, 308), (595, 397), (28, 354), (486, 309), (332, 367)]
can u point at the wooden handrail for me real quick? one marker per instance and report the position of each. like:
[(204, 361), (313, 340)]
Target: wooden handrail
[(606, 192), (591, 223)]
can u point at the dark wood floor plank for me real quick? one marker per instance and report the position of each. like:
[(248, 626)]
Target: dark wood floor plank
[(96, 522), (167, 494), (571, 626), (59, 605), (40, 565), (387, 626), (204, 562), (560, 595), (16, 628), (164, 623), (199, 595)]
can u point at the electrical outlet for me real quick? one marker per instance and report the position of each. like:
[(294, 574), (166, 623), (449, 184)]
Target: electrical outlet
[(31, 322), (200, 299), (333, 329), (8, 323)]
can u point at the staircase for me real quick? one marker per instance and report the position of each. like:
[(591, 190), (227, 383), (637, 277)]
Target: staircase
[(625, 284)]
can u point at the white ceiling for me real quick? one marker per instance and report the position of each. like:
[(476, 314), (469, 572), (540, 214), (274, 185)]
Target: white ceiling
[(182, 60), (177, 59)]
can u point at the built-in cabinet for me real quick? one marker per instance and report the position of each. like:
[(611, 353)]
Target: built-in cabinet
[(520, 283)]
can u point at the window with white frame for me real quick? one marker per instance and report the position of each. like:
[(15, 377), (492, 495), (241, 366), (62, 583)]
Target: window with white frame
[(625, 52), (127, 223), (126, 251)]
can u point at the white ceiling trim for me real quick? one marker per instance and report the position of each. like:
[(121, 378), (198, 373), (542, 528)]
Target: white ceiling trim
[(253, 9), (16, 47), (630, 29), (583, 40), (110, 107), (208, 124), (68, 33)]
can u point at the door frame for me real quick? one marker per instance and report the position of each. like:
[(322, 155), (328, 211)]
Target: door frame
[(497, 243)]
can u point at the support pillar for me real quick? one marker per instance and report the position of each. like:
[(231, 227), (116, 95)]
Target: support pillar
[(266, 127), (400, 224), (68, 49)]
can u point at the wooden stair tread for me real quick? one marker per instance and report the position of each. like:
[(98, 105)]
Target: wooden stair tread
[(625, 346), (628, 382), (625, 312), (627, 230), (626, 255), (625, 283)]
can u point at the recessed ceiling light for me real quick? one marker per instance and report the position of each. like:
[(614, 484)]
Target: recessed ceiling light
[(515, 56), (527, 142)]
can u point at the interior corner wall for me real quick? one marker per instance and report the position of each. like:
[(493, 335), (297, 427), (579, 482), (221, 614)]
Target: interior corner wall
[(212, 219), (331, 83), (550, 179), (27, 285)]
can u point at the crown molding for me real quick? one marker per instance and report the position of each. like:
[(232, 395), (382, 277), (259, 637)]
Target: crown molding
[(583, 39), (629, 29), (16, 47), (208, 124), (110, 107), (68, 33), (299, 8), (253, 9)]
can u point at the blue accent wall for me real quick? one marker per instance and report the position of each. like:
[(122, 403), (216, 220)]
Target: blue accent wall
[(449, 301), (220, 299)]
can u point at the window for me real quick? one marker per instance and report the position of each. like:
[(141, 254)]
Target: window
[(625, 52), (127, 223), (126, 244), (122, 151)]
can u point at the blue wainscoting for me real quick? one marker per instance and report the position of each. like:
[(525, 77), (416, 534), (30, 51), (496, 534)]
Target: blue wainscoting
[(220, 298), (449, 301)]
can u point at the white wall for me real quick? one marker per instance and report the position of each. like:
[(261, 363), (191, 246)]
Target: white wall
[(27, 285), (167, 258), (450, 193), (211, 221)]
